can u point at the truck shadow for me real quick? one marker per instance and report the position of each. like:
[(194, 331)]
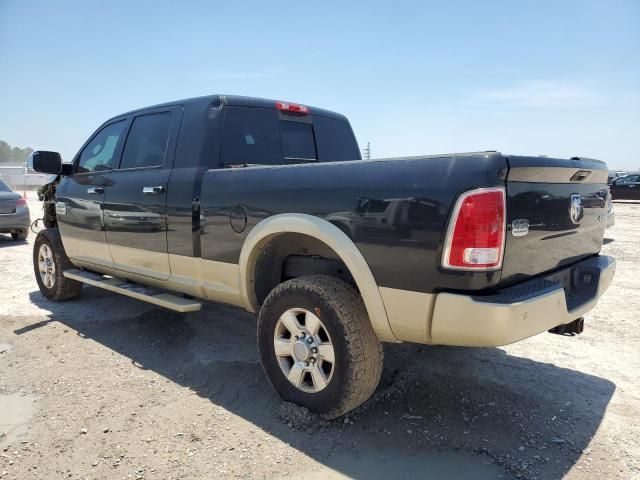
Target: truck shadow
[(7, 241), (453, 412)]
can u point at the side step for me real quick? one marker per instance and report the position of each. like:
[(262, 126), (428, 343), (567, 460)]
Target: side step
[(135, 290)]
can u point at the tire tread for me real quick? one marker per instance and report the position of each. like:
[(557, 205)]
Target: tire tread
[(364, 348)]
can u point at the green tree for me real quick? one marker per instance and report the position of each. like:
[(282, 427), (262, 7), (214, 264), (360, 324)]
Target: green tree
[(13, 155)]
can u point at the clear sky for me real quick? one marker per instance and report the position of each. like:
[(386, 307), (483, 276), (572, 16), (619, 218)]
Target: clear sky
[(560, 78)]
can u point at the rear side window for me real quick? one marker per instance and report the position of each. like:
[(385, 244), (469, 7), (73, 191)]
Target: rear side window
[(147, 141), (335, 140), (99, 154), (298, 143), (251, 136)]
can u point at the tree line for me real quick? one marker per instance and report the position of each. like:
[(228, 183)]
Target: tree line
[(13, 155)]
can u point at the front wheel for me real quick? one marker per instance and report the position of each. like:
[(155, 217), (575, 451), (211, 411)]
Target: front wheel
[(49, 262), (317, 345)]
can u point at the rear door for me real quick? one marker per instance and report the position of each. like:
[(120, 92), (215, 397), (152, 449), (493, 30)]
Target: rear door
[(80, 196), (135, 207)]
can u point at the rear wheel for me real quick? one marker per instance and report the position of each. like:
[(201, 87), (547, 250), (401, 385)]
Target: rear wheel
[(49, 262), (20, 234), (317, 345)]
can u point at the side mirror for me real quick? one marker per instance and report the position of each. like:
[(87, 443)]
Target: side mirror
[(45, 162)]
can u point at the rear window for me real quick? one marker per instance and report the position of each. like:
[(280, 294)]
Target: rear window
[(259, 136), (4, 187)]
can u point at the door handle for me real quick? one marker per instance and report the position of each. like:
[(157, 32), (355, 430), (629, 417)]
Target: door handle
[(95, 190), (159, 190)]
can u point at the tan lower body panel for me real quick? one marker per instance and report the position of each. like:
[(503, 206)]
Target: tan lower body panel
[(461, 320), (142, 262), (454, 319), (409, 313), (217, 281), (205, 279), (87, 251)]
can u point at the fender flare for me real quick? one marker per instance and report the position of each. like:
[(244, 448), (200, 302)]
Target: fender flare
[(333, 237)]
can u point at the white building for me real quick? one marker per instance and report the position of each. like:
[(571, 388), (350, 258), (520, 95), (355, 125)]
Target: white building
[(18, 178)]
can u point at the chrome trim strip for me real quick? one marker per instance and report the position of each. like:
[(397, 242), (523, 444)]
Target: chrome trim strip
[(555, 175)]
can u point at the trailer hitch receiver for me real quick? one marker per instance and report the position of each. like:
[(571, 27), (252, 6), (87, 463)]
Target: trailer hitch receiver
[(569, 329)]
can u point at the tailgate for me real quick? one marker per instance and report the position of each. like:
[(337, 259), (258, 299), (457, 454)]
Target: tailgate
[(563, 202)]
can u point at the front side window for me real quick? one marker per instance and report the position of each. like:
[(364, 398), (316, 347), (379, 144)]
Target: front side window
[(99, 154), (629, 179), (147, 141)]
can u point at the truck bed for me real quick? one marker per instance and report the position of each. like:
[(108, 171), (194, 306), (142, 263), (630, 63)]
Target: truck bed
[(396, 211)]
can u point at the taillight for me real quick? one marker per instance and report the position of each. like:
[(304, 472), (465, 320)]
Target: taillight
[(475, 237), (21, 202), (292, 107)]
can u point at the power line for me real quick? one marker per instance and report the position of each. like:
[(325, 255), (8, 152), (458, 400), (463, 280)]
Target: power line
[(366, 152)]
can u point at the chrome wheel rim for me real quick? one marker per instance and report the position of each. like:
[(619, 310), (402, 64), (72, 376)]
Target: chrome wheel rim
[(304, 350), (46, 266)]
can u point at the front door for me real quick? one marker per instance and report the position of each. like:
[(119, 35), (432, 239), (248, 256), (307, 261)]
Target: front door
[(79, 196), (135, 204)]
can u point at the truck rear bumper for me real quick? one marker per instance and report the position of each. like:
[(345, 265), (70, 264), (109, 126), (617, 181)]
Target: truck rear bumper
[(523, 310)]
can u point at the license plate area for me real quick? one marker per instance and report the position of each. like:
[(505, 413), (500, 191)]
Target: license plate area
[(580, 284)]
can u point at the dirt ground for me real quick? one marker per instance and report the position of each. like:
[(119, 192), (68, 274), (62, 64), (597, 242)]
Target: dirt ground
[(108, 387)]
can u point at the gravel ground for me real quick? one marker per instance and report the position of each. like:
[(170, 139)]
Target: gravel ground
[(109, 387)]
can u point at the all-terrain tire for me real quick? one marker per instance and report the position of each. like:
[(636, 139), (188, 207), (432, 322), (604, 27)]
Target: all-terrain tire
[(358, 352), (60, 288), (20, 234)]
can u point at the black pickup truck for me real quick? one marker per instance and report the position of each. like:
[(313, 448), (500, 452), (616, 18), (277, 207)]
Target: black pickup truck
[(268, 205)]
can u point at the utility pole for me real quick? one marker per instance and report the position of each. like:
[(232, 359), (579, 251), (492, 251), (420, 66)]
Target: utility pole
[(367, 151)]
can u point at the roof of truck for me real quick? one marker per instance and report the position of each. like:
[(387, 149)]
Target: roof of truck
[(234, 100)]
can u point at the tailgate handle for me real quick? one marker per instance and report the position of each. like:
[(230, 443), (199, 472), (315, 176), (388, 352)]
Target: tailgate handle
[(159, 190), (580, 175)]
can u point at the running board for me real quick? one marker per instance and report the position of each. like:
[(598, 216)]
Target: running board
[(135, 290)]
